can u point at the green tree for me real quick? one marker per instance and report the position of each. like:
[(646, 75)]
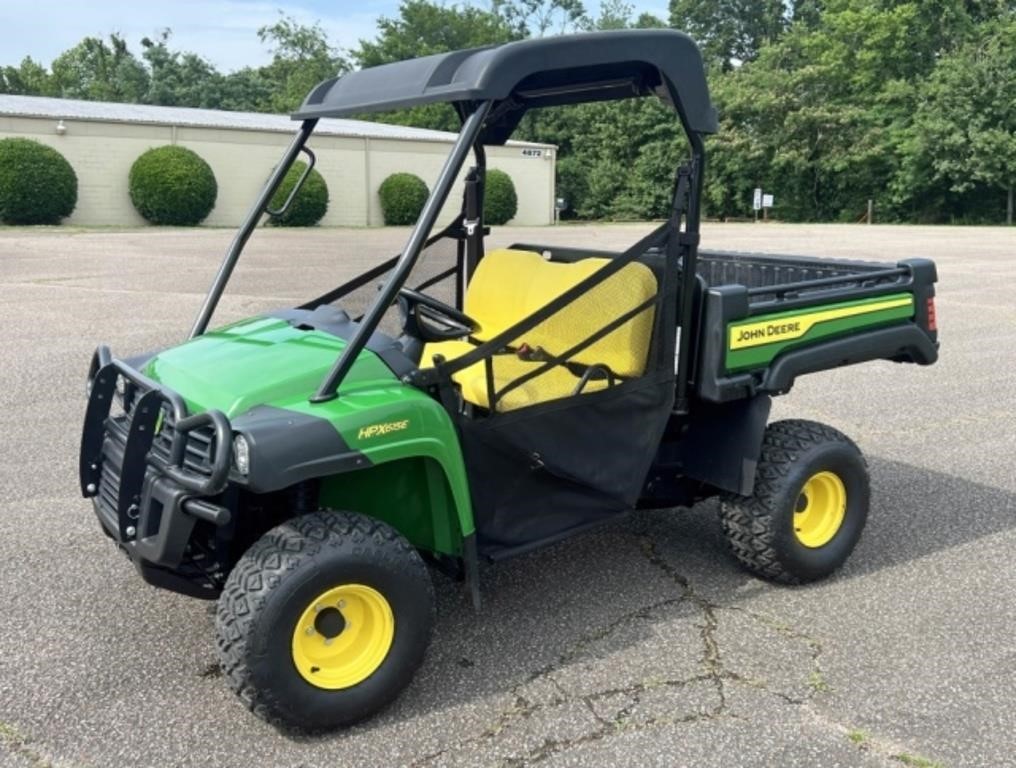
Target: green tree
[(807, 12), (822, 117), (620, 164), (614, 14), (179, 79), (100, 71), (729, 31), (615, 159), (963, 138), (302, 56), (246, 90), (30, 78), (649, 21), (423, 28), (536, 18)]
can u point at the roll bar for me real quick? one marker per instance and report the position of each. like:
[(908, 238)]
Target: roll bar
[(428, 216), (251, 221)]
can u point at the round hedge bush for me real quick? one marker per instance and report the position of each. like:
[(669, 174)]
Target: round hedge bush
[(402, 198), (37, 185), (310, 203), (500, 203), (172, 185)]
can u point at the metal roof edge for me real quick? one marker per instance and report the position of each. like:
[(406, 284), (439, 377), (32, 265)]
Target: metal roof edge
[(326, 126)]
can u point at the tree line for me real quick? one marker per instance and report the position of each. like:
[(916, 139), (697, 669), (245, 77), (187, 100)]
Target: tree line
[(824, 103)]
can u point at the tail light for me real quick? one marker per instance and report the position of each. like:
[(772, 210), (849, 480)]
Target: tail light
[(930, 313)]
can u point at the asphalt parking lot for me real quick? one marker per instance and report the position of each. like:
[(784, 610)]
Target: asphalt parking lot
[(642, 644)]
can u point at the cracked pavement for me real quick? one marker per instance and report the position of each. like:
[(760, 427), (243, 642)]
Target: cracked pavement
[(640, 644)]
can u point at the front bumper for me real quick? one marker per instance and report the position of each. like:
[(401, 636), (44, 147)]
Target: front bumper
[(152, 471)]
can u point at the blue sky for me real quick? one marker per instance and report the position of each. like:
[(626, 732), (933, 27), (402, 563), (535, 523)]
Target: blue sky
[(223, 31)]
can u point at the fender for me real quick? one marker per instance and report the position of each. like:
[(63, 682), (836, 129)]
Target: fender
[(390, 452)]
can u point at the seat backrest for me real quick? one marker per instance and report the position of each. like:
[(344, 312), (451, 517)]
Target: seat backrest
[(625, 349), (510, 284), (496, 296)]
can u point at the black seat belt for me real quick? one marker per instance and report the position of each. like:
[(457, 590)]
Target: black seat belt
[(473, 221)]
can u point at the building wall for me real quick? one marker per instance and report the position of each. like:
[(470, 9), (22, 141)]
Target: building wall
[(102, 153)]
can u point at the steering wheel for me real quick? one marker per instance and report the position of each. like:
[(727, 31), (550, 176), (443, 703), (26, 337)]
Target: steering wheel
[(430, 319)]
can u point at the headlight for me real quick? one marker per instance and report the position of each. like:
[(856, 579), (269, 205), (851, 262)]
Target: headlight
[(241, 454)]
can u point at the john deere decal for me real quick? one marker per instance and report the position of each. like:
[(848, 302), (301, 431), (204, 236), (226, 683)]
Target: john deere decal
[(761, 339)]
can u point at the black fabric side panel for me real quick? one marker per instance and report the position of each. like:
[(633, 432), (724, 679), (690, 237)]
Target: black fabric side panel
[(564, 464)]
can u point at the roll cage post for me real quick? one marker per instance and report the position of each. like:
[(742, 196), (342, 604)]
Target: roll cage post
[(688, 241), (428, 216), (251, 221), (472, 211)]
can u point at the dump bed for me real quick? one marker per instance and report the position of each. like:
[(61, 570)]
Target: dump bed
[(761, 270), (765, 319), (761, 320)]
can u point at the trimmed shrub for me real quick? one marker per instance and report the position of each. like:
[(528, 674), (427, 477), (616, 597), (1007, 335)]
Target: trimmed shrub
[(172, 185), (310, 203), (402, 198), (37, 185), (500, 203)]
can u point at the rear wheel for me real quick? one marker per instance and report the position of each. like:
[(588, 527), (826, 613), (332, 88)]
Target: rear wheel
[(324, 620), (808, 508)]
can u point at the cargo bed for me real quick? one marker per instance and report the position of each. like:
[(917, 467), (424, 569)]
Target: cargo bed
[(761, 320)]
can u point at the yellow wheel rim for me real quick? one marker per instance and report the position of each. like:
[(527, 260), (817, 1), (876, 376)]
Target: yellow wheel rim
[(821, 508), (343, 636)]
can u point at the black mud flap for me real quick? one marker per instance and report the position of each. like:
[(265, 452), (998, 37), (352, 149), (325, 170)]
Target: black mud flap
[(721, 444)]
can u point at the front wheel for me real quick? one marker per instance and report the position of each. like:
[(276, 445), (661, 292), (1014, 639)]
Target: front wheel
[(809, 505), (324, 620)]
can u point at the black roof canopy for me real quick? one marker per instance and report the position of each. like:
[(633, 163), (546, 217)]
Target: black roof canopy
[(527, 74)]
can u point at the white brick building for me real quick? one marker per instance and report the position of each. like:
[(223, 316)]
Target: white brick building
[(101, 140)]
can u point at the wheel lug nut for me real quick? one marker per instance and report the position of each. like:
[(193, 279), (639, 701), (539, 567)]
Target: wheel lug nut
[(310, 630)]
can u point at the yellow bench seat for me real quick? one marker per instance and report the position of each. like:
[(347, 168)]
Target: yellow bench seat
[(509, 285), (555, 383)]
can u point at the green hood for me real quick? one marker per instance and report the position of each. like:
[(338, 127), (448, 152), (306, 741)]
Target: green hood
[(259, 361)]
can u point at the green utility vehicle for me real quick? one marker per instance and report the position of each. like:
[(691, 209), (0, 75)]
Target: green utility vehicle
[(457, 405)]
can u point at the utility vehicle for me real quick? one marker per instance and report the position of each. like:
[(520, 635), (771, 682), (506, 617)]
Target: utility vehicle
[(457, 405)]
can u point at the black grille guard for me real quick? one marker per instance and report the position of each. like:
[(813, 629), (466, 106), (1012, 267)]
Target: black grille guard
[(142, 424)]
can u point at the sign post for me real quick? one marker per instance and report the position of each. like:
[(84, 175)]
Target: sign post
[(560, 204), (756, 202)]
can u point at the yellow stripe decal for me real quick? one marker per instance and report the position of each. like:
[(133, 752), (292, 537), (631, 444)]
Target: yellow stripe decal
[(794, 327)]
